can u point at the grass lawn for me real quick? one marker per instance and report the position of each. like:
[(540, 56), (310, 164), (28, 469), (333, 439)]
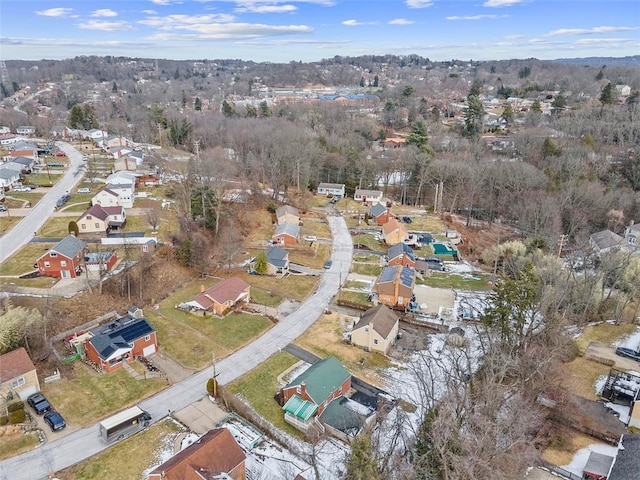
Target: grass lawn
[(580, 375), (43, 179), (7, 222), (78, 203), (22, 261), (262, 228), (355, 297), (564, 445), (603, 333), (313, 257), (18, 199), (366, 269), (87, 396), (364, 258), (128, 459), (324, 338), (11, 445), (259, 385), (296, 287), (56, 227), (265, 297), (318, 228), (38, 282), (137, 223), (461, 282), (370, 242)]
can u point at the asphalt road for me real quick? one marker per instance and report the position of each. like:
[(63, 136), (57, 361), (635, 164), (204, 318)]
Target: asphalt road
[(82, 444), (37, 216)]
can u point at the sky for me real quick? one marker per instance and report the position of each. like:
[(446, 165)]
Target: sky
[(310, 30)]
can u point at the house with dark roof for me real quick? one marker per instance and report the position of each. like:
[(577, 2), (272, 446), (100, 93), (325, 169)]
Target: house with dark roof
[(377, 330), (122, 340), (8, 177), (287, 234), (307, 395), (605, 241), (99, 219), (26, 162), (215, 455), (222, 296), (287, 214), (106, 198), (63, 260), (380, 214), (394, 286), (401, 254), (626, 465), (18, 375), (277, 261)]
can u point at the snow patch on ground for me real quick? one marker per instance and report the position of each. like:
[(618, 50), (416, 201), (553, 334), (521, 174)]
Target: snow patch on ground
[(631, 341), (459, 267), (622, 411), (599, 383), (579, 460), (189, 439)]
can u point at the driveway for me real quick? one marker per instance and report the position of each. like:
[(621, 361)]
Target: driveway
[(37, 216), (82, 444)]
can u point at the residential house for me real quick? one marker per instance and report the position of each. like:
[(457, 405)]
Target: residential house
[(287, 234), (623, 90), (18, 375), (627, 462), (27, 163), (377, 330), (392, 143), (125, 163), (277, 261), (307, 396), (114, 195), (96, 134), (8, 177), (99, 219), (605, 241), (380, 214), (597, 467), (15, 167), (26, 130), (287, 213), (401, 254), (632, 237), (122, 340), (215, 455), (4, 130), (394, 286), (119, 152), (367, 196), (64, 259), (331, 189), (100, 261), (394, 232), (222, 296), (7, 140)]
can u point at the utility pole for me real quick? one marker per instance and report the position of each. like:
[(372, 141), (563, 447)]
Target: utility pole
[(561, 242)]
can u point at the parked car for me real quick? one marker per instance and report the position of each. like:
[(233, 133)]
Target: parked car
[(434, 263), (308, 238), (21, 188), (61, 154), (39, 403), (84, 190), (55, 421), (3, 208), (628, 353), (62, 200), (406, 219), (328, 264)]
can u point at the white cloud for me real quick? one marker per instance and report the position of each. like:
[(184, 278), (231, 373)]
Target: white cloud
[(104, 12), (356, 23), (161, 2), (588, 31), (178, 21), (226, 31), (105, 26), (501, 3), (293, 41), (475, 17), (401, 21), (419, 3), (513, 37), (593, 41), (252, 7), (149, 12), (54, 12)]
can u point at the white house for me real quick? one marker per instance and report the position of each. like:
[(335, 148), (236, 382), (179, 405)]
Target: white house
[(8, 177), (371, 196), (331, 189), (26, 130)]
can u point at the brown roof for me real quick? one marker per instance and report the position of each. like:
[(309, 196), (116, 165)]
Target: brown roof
[(226, 291), (381, 318), (215, 452), (14, 364), (392, 225), (97, 211)]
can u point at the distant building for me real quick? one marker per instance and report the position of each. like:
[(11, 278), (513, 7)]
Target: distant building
[(331, 189)]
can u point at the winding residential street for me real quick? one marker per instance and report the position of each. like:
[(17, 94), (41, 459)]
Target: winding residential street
[(37, 216), (82, 444)]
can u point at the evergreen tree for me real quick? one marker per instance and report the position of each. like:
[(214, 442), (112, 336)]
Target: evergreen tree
[(507, 114), (608, 95), (361, 463), (251, 111), (600, 75), (473, 115), (197, 104), (535, 106), (550, 149), (375, 81), (419, 136), (265, 111), (227, 109), (559, 104), (260, 263)]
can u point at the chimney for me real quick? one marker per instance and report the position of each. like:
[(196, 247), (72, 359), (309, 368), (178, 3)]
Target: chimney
[(202, 288)]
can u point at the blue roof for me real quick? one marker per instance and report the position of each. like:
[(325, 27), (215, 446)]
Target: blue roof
[(119, 334), (287, 228), (69, 246), (277, 256), (407, 275), (377, 210), (400, 248)]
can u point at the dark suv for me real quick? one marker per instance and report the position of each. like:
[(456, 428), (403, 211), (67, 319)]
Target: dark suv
[(39, 403)]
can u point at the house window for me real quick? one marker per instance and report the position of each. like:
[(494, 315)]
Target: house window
[(47, 264), (63, 263), (53, 254), (147, 338), (89, 217), (97, 225), (366, 329), (18, 382), (375, 341), (83, 226)]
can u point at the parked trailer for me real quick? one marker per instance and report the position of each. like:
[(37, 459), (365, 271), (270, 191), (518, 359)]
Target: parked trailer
[(124, 424)]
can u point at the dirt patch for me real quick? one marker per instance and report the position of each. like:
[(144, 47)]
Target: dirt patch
[(606, 355)]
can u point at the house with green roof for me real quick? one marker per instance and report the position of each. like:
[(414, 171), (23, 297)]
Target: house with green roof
[(309, 394)]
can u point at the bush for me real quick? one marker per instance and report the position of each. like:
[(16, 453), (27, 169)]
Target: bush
[(17, 417), (15, 405), (4, 420), (212, 386)]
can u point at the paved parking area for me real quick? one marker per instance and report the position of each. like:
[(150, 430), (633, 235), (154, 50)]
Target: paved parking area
[(201, 416)]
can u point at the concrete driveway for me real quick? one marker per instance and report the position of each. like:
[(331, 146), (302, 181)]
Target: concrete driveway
[(201, 416)]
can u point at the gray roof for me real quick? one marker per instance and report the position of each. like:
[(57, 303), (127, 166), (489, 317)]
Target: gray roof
[(331, 185), (377, 210), (606, 239), (627, 463), (69, 246), (277, 256), (8, 174), (342, 418), (287, 228), (399, 249), (23, 161), (598, 464), (284, 209), (381, 318), (119, 334)]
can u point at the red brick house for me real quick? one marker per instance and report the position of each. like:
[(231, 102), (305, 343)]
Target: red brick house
[(222, 296), (287, 234), (214, 455), (63, 260), (380, 214), (122, 340), (401, 254)]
